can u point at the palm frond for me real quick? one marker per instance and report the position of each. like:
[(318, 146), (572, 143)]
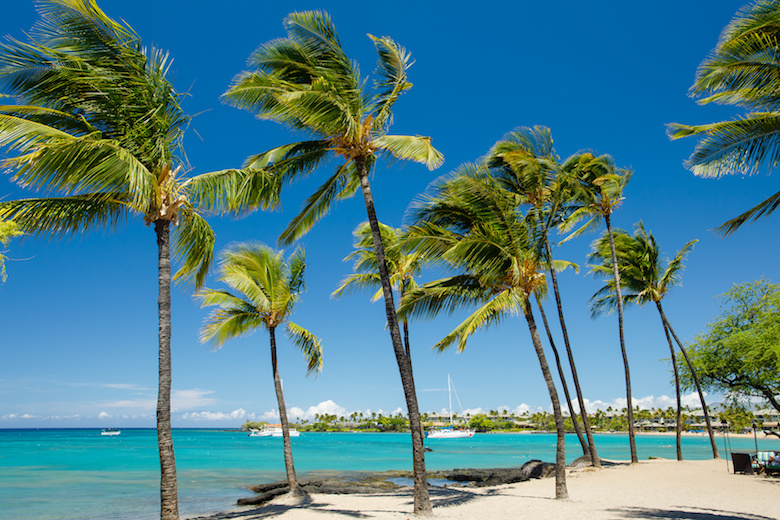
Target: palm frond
[(446, 295), (343, 184), (739, 146), (234, 191), (193, 244), (394, 61), (491, 313), (762, 209), (65, 216), (410, 147), (309, 344), (224, 324)]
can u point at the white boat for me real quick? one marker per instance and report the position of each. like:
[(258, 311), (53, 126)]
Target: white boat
[(273, 430), (110, 432), (451, 432)]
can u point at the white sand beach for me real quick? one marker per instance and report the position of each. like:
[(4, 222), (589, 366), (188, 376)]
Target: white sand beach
[(654, 489)]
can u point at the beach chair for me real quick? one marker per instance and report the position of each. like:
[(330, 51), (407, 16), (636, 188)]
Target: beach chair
[(767, 461), (743, 463)]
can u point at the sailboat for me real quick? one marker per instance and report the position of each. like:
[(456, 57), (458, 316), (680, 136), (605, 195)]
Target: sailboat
[(451, 432)]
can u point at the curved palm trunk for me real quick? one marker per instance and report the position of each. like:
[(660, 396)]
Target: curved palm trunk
[(573, 416), (678, 428), (560, 447), (422, 501), (169, 496), (711, 433), (629, 401), (594, 457), (292, 480)]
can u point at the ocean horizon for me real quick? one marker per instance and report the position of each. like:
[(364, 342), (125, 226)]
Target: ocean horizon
[(76, 473)]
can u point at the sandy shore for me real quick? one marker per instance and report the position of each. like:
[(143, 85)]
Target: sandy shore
[(654, 489)]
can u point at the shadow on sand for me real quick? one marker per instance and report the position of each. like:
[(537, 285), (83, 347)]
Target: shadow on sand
[(440, 497), (685, 514)]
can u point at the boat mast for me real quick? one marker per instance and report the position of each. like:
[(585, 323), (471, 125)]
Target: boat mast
[(449, 391)]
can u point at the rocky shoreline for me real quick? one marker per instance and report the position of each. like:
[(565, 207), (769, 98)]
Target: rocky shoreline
[(386, 481)]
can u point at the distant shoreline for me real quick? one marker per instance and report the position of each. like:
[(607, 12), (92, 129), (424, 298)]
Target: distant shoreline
[(759, 434)]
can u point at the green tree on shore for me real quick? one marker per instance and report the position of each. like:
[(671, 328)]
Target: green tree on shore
[(308, 83), (95, 121), (739, 353), (741, 71), (263, 291)]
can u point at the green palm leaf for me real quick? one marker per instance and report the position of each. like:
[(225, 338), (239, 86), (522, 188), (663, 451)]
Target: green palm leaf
[(309, 344), (65, 216), (342, 185)]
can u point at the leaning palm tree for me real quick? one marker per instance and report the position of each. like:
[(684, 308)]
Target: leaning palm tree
[(477, 228), (95, 121), (525, 162), (307, 82), (647, 279), (402, 265), (264, 289), (741, 71), (598, 191)]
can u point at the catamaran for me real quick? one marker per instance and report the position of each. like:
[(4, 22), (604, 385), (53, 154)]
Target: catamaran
[(110, 432), (450, 432), (273, 430)]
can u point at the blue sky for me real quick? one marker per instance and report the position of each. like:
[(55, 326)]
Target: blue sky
[(78, 318)]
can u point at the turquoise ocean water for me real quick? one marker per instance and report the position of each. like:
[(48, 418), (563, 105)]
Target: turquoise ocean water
[(79, 474)]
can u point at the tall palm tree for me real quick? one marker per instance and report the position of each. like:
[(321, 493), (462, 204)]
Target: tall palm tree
[(307, 82), (598, 191), (647, 278), (476, 228), (525, 162), (8, 230), (741, 71), (95, 121), (402, 266), (264, 289)]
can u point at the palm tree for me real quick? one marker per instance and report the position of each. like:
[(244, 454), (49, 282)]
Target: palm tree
[(525, 162), (8, 230), (402, 266), (263, 292), (96, 122), (476, 227), (307, 82), (647, 279), (598, 191), (741, 71)]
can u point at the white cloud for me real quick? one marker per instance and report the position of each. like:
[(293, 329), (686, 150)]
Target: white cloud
[(125, 386), (325, 407), (146, 404), (238, 414), (188, 399), (644, 403), (104, 415)]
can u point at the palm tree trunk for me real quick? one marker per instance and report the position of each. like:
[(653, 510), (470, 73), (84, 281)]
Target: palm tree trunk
[(573, 415), (292, 480), (711, 433), (678, 429), (422, 501), (560, 447), (629, 401), (594, 457), (169, 495)]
